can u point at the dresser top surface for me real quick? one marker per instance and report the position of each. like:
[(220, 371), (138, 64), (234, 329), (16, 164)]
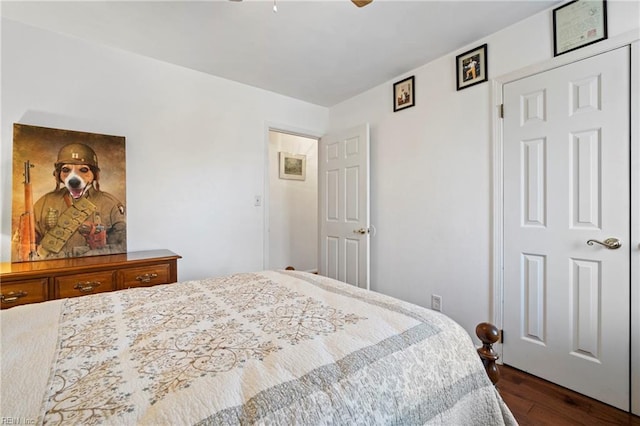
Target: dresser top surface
[(7, 268)]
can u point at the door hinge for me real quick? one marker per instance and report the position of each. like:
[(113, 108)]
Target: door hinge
[(501, 336), (501, 109)]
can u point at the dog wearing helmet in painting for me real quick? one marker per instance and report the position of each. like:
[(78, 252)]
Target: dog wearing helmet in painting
[(77, 218)]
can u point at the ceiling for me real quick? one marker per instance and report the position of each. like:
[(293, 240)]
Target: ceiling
[(322, 52)]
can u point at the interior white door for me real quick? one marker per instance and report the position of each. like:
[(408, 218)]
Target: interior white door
[(566, 182), (343, 206)]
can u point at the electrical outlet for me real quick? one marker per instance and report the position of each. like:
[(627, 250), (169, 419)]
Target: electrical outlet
[(436, 302)]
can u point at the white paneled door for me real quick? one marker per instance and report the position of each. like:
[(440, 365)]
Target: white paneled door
[(343, 206), (566, 204)]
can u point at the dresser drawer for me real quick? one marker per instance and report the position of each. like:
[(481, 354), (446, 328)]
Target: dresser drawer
[(82, 284), (23, 292), (144, 276), (30, 282)]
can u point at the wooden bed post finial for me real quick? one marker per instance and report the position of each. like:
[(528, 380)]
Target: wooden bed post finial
[(489, 334)]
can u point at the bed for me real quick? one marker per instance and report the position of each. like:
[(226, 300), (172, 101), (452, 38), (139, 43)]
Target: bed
[(272, 348)]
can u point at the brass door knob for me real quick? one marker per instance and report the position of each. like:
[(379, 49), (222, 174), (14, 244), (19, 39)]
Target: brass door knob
[(610, 243)]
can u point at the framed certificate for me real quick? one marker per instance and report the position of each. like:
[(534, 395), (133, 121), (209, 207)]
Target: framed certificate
[(577, 24)]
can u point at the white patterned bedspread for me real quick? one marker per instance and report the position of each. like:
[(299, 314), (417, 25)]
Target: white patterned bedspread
[(274, 347)]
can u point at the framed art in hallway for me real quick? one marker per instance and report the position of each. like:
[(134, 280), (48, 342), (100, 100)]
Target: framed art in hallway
[(471, 67), (293, 166), (404, 94)]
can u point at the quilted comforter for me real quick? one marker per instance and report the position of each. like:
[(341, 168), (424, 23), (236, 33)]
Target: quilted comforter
[(275, 347)]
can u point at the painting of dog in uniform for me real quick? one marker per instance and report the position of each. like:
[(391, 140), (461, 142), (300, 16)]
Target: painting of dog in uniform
[(69, 189)]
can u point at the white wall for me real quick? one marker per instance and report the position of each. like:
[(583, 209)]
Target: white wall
[(431, 165), (293, 206), (195, 144)]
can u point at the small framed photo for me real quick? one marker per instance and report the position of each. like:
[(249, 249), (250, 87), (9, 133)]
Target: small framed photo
[(293, 166), (578, 24), (471, 67), (404, 94)]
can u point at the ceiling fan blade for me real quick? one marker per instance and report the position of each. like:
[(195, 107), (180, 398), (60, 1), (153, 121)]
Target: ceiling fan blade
[(361, 3)]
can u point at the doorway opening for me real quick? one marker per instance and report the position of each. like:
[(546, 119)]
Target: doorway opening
[(292, 216)]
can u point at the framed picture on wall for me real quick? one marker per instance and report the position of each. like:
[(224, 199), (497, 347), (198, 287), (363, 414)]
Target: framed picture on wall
[(578, 24), (404, 94), (69, 189), (293, 166), (471, 67)]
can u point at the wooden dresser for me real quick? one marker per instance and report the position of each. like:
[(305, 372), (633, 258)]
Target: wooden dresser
[(31, 282)]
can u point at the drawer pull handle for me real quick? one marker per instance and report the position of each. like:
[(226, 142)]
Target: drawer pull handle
[(86, 286), (12, 296), (146, 277)]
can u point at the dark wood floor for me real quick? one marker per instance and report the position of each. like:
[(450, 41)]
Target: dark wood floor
[(534, 401)]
